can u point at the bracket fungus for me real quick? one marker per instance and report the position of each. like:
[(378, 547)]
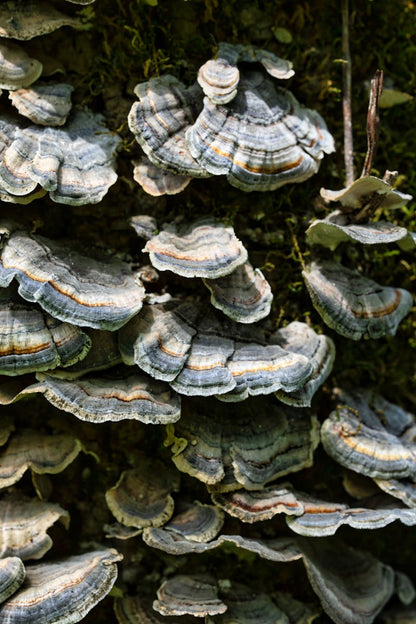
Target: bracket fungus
[(24, 525), (243, 295), (200, 354), (156, 181), (12, 575), (336, 228), (44, 104), (142, 496), (68, 285), (262, 139), (166, 108), (371, 436), (17, 68), (134, 609), (219, 77), (63, 591), (112, 398), (75, 163), (357, 195), (243, 445), (317, 348), (208, 250), (403, 490), (25, 19), (260, 505), (189, 594), (353, 305), (31, 340), (40, 452)]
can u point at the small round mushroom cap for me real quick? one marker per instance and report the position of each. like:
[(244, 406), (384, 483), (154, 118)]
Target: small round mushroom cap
[(113, 398), (12, 575), (166, 108), (75, 163), (336, 228), (44, 104), (156, 181), (355, 196), (25, 19), (353, 305), (219, 77), (301, 339), (260, 505), (243, 445), (351, 584), (403, 490), (64, 591), (135, 609), (189, 594), (369, 435), (142, 496), (70, 286), (31, 340), (40, 452), (321, 518), (17, 69), (203, 249), (244, 295), (261, 140), (24, 525)]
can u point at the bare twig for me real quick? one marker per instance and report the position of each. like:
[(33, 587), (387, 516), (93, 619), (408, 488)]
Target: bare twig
[(346, 95), (373, 121)]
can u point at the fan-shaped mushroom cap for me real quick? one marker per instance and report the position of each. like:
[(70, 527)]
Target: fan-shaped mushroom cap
[(68, 285), (135, 609), (263, 139), (244, 295), (45, 105), (185, 594), (208, 250), (355, 196), (321, 518), (40, 452), (336, 228), (244, 445), (317, 348), (188, 531), (75, 163), (12, 575), (103, 354), (260, 505), (145, 226), (17, 69), (353, 305), (200, 354), (64, 591), (142, 496), (31, 340), (156, 181), (25, 19), (219, 77), (369, 435), (7, 426), (166, 108), (113, 398), (24, 525), (351, 584), (403, 490)]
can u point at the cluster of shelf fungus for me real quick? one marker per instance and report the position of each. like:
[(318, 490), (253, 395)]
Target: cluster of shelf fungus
[(231, 396)]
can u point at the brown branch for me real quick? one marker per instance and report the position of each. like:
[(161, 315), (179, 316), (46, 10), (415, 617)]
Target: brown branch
[(346, 96), (373, 121)]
